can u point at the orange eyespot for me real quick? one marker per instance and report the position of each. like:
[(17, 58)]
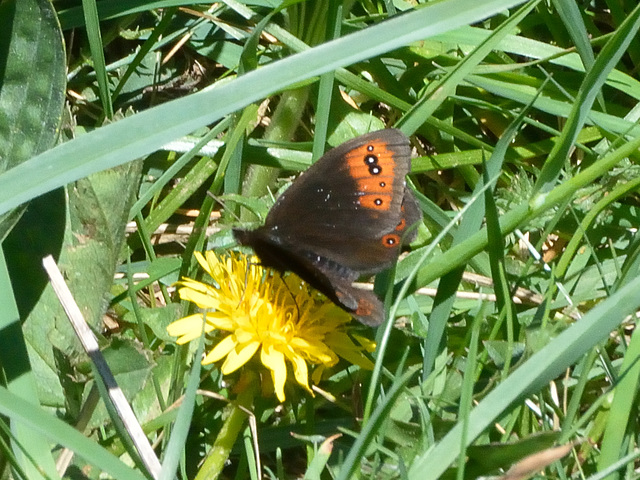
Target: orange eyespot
[(375, 201), (391, 240), (365, 308)]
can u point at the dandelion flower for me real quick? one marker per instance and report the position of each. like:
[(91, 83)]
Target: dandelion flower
[(279, 323)]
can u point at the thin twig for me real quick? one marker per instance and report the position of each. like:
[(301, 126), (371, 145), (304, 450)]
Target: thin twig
[(90, 344)]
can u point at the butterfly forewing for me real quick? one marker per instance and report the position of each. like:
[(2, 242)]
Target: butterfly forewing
[(344, 203)]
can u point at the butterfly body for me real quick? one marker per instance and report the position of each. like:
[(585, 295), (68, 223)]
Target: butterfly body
[(346, 216)]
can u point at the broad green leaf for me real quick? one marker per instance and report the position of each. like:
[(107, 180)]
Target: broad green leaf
[(30, 104)]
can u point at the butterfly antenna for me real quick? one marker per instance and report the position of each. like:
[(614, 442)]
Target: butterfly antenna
[(295, 302)]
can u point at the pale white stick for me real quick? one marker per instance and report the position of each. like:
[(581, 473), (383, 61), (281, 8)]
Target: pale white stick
[(90, 345)]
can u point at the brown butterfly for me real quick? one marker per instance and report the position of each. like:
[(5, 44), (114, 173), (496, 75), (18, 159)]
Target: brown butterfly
[(346, 216)]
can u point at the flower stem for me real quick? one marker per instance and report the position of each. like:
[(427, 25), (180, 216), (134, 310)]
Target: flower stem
[(234, 423)]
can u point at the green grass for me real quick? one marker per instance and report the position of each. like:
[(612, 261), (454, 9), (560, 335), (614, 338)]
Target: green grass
[(523, 119)]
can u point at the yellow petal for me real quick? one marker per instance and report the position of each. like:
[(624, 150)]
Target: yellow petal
[(316, 376), (185, 324), (203, 263), (245, 336), (221, 321), (238, 357), (368, 344), (300, 371), (317, 352), (194, 285), (221, 350), (274, 361), (187, 328), (343, 346), (203, 300)]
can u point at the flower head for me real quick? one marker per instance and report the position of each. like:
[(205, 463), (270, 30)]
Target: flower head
[(262, 315)]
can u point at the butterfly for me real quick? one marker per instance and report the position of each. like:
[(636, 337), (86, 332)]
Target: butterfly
[(348, 215)]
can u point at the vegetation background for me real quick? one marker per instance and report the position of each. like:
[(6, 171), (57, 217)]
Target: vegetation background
[(523, 117)]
